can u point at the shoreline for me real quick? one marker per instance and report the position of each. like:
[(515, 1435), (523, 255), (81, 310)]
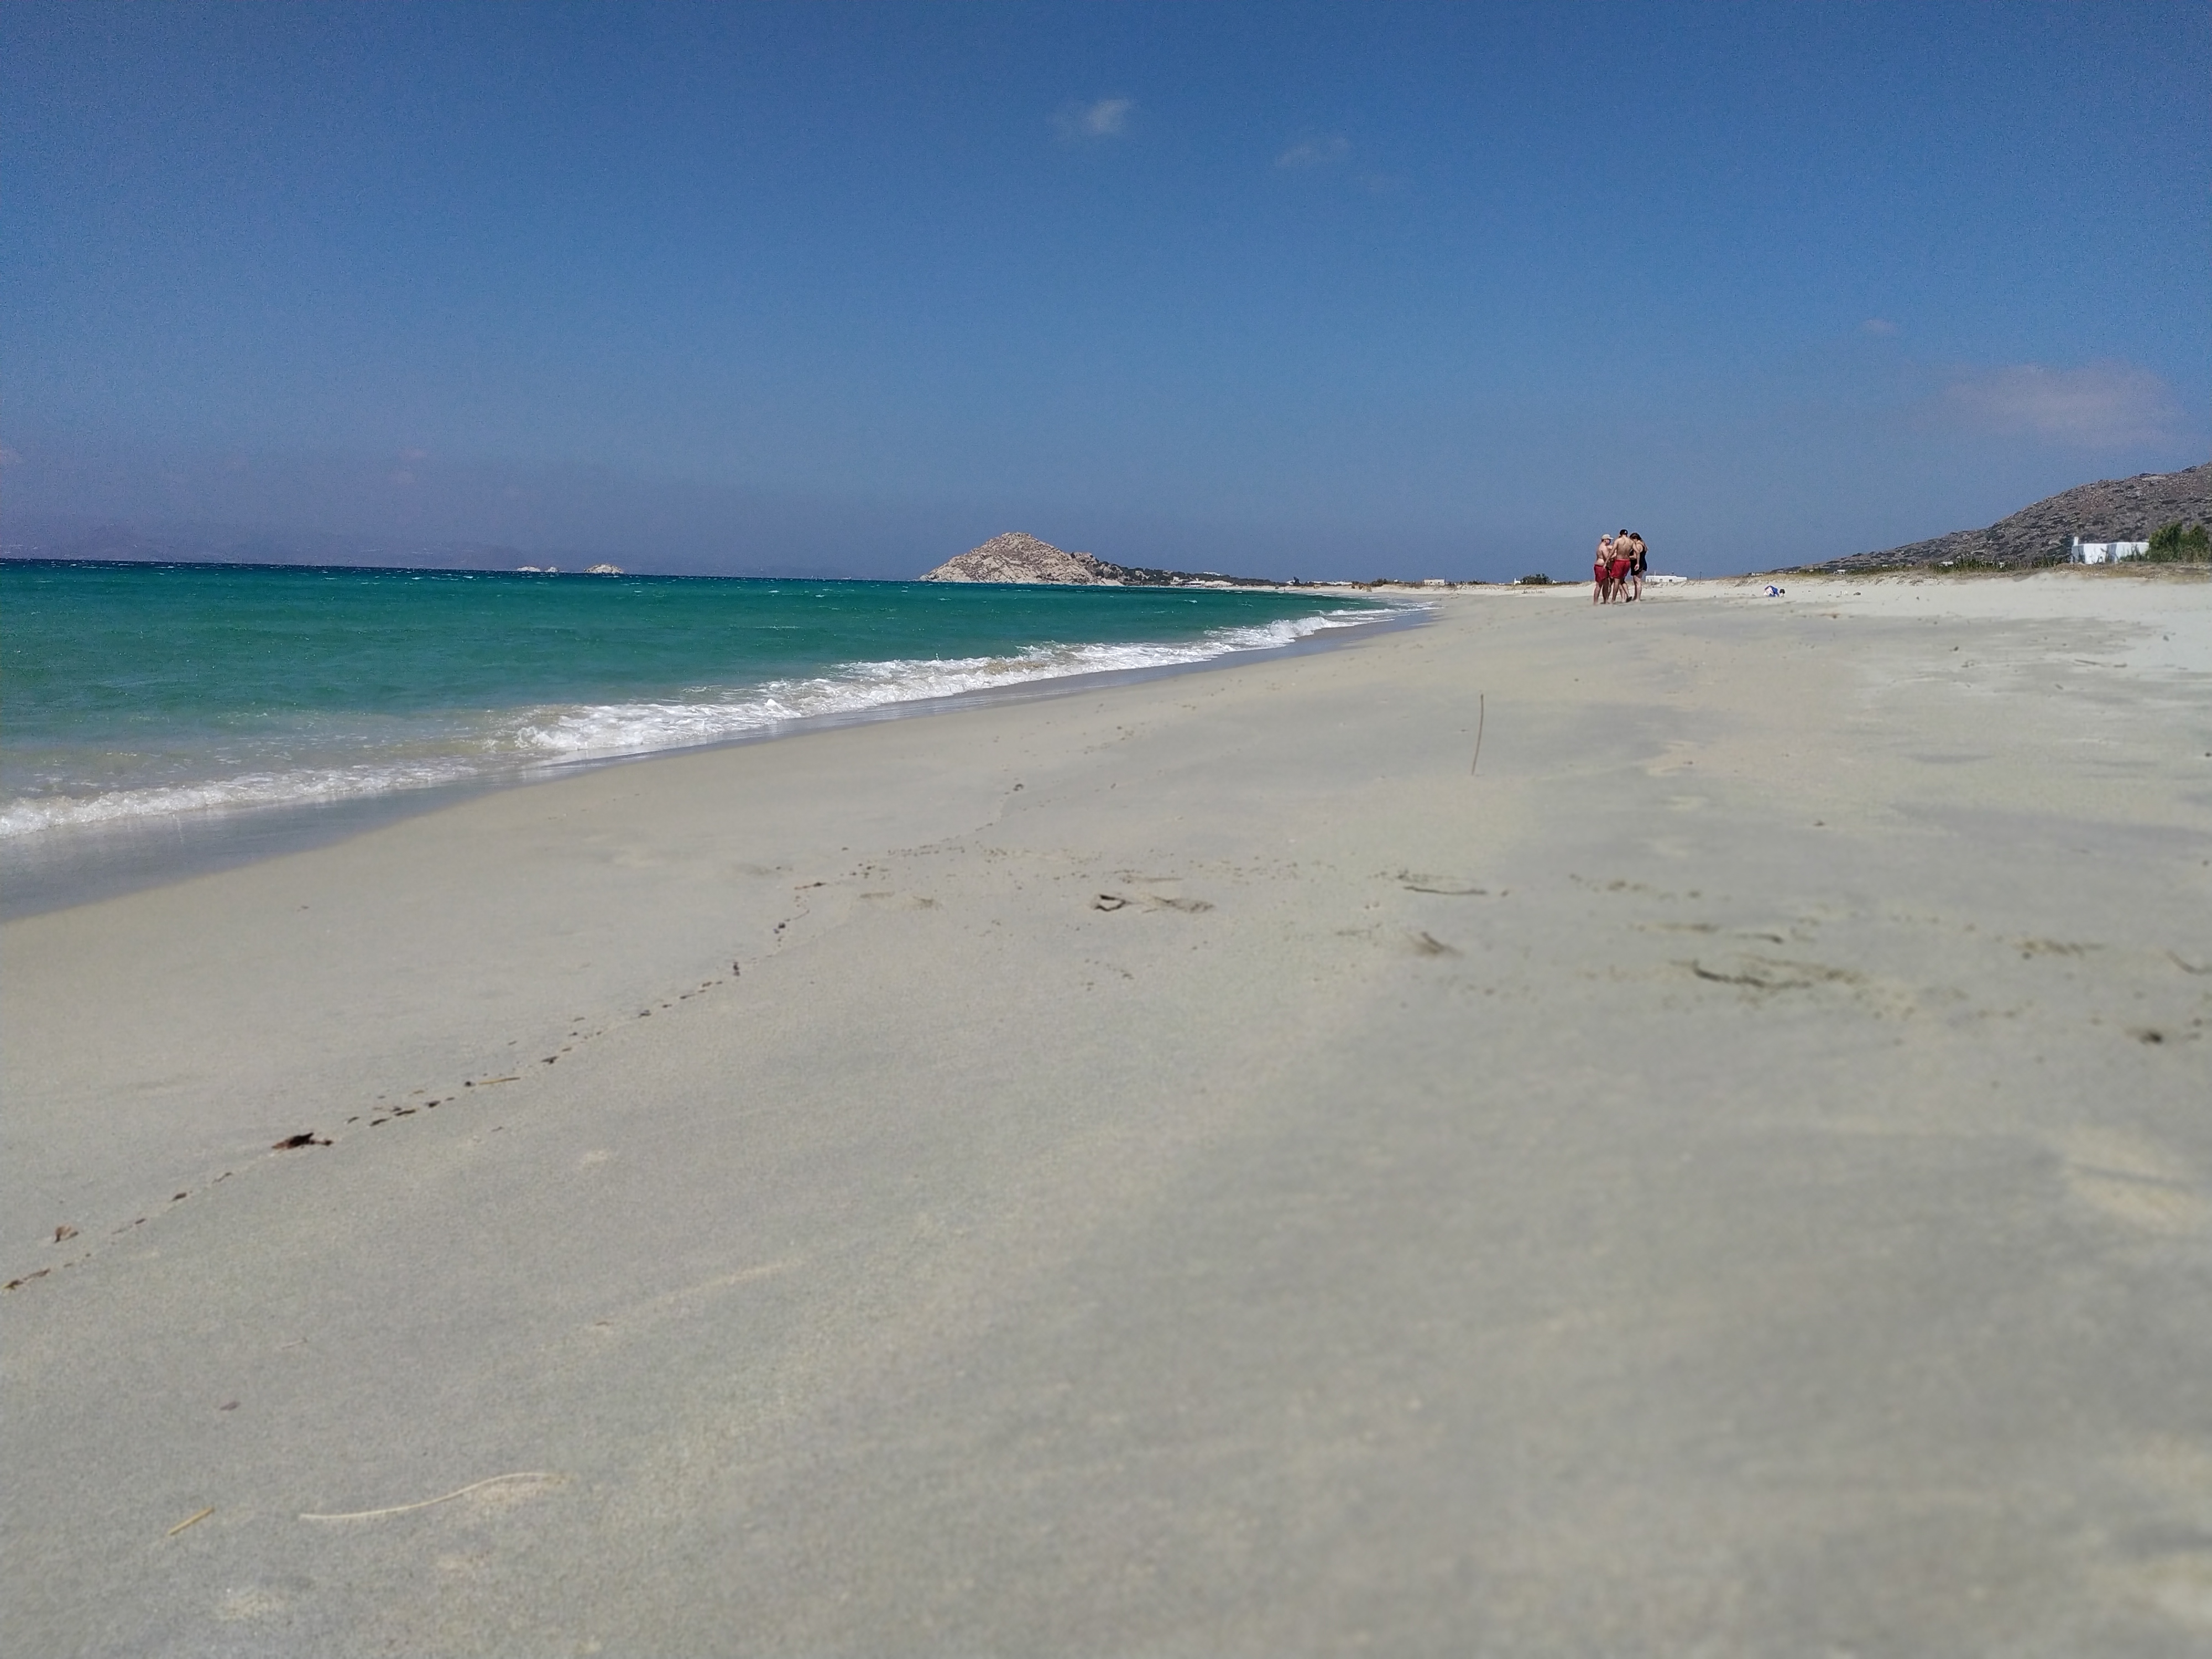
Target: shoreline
[(58, 869), (1201, 1166)]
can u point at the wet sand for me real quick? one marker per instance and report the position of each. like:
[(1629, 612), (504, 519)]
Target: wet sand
[(1189, 1169)]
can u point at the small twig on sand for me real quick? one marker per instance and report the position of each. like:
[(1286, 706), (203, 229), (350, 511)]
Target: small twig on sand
[(1481, 714), (402, 1509), (189, 1519)]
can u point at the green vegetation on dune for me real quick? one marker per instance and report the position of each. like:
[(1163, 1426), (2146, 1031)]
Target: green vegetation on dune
[(2172, 545)]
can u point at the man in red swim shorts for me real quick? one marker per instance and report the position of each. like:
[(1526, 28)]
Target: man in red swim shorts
[(1602, 571), (1616, 574)]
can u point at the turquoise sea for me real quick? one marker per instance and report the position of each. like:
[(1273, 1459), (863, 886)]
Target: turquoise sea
[(142, 695)]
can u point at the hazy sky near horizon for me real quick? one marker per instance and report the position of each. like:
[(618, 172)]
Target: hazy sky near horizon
[(1342, 289)]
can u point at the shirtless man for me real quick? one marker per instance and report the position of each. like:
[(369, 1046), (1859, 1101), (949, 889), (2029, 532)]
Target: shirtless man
[(1617, 572), (1602, 571)]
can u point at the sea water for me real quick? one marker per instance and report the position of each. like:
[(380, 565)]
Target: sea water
[(141, 696)]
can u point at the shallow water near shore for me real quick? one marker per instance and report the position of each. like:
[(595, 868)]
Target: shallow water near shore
[(169, 719)]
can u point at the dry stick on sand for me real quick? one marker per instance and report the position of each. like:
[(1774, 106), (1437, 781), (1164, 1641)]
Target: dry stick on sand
[(1481, 714), (402, 1509), (188, 1521)]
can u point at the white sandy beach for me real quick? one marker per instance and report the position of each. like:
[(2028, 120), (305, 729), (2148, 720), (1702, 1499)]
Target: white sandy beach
[(1186, 1168)]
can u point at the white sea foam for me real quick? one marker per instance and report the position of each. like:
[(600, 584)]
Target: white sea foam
[(856, 688), (33, 814), (543, 736)]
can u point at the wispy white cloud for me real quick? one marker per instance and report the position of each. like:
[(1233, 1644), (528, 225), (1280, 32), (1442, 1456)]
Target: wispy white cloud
[(1316, 152), (1880, 327), (2101, 405), (1109, 117)]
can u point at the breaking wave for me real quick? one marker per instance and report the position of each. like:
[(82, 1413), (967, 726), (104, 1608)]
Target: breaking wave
[(517, 742), (315, 786), (614, 729)]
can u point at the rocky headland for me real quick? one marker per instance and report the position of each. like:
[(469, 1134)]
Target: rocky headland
[(1017, 557), (2111, 509)]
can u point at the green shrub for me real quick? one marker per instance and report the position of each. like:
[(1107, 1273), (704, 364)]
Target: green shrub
[(1539, 580), (2171, 544)]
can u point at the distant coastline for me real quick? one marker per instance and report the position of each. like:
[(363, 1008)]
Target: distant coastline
[(2108, 510)]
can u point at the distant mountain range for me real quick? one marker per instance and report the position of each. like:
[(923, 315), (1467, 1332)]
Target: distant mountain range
[(2110, 510)]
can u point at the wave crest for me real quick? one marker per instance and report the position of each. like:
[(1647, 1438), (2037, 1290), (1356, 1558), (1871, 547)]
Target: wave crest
[(518, 741), (611, 729)]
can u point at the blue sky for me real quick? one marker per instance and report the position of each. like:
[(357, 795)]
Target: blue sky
[(1292, 289)]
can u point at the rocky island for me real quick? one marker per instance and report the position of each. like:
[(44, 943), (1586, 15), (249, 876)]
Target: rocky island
[(1017, 557)]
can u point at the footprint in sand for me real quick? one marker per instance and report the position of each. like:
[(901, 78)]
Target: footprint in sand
[(2054, 947), (2130, 1181), (1763, 974), (1417, 881), (1151, 901)]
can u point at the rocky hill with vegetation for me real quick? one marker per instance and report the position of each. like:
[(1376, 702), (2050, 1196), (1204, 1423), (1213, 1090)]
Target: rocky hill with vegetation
[(2110, 510)]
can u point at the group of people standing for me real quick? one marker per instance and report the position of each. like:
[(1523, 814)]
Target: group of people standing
[(1617, 573)]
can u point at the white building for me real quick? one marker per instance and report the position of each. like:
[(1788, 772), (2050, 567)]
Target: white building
[(2082, 552)]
